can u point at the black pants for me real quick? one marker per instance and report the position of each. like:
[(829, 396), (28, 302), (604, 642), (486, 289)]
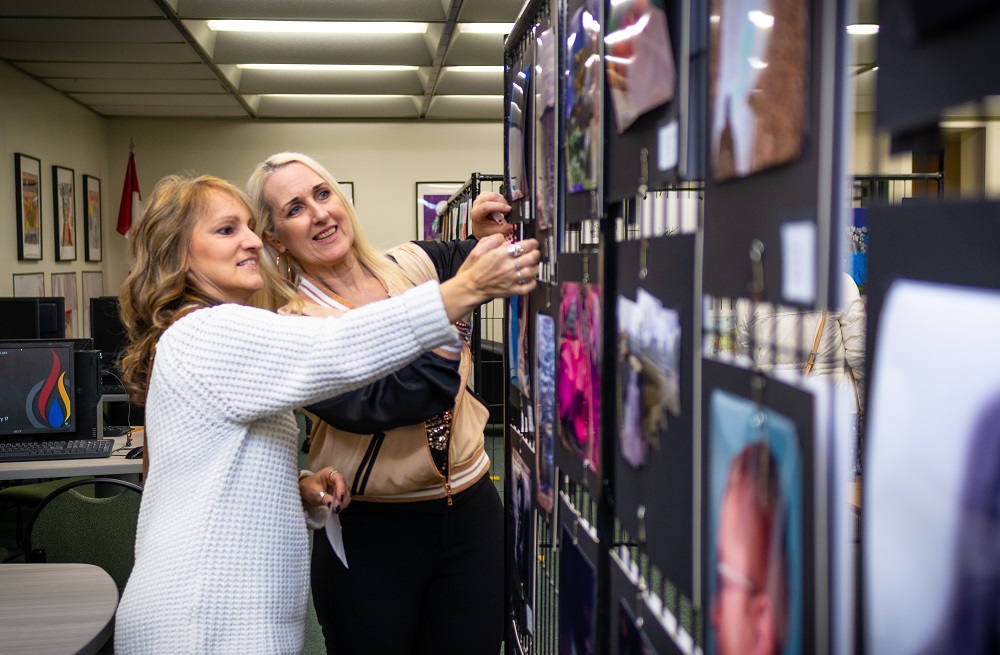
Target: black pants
[(423, 577)]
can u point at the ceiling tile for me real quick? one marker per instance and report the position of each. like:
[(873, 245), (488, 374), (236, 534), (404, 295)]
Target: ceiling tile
[(124, 85), (453, 82), (490, 11), (475, 50), (409, 10), (147, 71), (170, 111), (466, 108), (61, 8), (103, 52), (157, 99), (103, 30)]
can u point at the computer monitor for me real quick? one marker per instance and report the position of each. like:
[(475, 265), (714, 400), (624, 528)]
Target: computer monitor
[(52, 318), (106, 329), (37, 388), (32, 318)]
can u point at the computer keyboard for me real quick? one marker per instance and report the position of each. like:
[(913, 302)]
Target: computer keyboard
[(26, 451)]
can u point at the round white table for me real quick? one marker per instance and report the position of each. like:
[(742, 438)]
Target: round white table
[(55, 608)]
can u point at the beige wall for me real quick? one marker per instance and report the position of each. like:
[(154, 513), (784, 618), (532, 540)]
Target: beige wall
[(383, 160)]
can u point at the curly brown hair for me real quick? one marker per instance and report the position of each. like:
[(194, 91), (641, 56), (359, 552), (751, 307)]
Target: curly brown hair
[(157, 288)]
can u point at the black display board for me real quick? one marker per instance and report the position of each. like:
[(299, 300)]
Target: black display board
[(933, 55), (665, 145), (796, 406), (950, 242), (633, 629), (808, 189), (664, 484)]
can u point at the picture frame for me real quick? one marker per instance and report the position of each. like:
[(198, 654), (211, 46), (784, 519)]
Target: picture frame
[(430, 195), (92, 287), (348, 189), (64, 213), (92, 224), (64, 286), (29, 285), (28, 202)]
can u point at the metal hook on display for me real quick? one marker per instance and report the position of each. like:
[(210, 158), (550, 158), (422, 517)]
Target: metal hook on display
[(643, 251), (757, 263), (548, 296), (586, 269), (641, 548), (643, 172)]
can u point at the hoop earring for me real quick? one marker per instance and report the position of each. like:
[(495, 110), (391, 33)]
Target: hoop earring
[(288, 267)]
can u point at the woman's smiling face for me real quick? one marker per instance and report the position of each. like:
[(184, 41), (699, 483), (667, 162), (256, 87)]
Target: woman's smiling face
[(223, 254), (310, 221)]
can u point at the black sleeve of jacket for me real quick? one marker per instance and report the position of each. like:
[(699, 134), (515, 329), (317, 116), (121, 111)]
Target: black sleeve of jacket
[(411, 395), (448, 256)]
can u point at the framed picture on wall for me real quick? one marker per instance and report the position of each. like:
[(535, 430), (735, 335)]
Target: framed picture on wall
[(64, 213), (64, 286), (348, 188), (92, 218), (29, 285), (93, 287), (432, 196), (28, 201)]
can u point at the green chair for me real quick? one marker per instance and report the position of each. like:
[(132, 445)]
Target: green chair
[(68, 526), (28, 496)]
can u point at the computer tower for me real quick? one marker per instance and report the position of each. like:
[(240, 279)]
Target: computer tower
[(87, 365)]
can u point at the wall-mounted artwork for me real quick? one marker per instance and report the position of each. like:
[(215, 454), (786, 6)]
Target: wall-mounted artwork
[(64, 213), (432, 196), (28, 200), (348, 189), (64, 286), (93, 287), (29, 285), (92, 218)]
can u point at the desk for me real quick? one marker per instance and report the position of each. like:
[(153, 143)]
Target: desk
[(55, 608), (65, 468)]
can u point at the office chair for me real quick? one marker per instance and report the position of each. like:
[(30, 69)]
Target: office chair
[(26, 497), (68, 526)]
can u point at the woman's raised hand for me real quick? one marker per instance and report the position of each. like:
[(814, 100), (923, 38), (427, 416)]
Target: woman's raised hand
[(494, 269)]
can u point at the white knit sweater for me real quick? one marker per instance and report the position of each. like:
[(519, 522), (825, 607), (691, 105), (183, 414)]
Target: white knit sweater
[(222, 561)]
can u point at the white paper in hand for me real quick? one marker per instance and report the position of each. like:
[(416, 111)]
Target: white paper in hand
[(335, 535)]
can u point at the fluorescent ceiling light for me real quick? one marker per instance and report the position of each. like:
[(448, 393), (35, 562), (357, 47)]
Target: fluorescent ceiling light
[(329, 67), (862, 28), (486, 28), (474, 69), (317, 27)]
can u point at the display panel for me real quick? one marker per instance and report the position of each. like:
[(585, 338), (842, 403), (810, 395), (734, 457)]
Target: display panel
[(37, 388)]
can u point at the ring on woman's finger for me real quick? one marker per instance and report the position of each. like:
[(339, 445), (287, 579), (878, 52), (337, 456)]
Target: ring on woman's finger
[(321, 496), (515, 250), (332, 473), (517, 264), (520, 278)]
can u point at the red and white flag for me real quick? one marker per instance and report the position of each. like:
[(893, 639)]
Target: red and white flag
[(131, 205)]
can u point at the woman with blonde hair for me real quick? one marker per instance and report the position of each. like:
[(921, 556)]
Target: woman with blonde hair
[(222, 547), (424, 533)]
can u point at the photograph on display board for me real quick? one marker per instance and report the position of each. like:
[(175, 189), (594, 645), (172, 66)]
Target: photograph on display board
[(759, 71), (546, 65), (577, 595), (545, 408), (631, 639), (639, 58), (583, 116), (755, 593), (578, 382), (648, 381), (932, 474), (517, 306), (523, 524), (517, 170)]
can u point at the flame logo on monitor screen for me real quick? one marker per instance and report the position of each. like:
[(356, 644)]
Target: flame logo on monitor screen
[(47, 405)]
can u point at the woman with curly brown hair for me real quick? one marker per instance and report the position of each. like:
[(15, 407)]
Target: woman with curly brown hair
[(222, 554)]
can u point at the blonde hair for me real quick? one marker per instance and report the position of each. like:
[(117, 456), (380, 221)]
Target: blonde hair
[(157, 287), (284, 293)]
